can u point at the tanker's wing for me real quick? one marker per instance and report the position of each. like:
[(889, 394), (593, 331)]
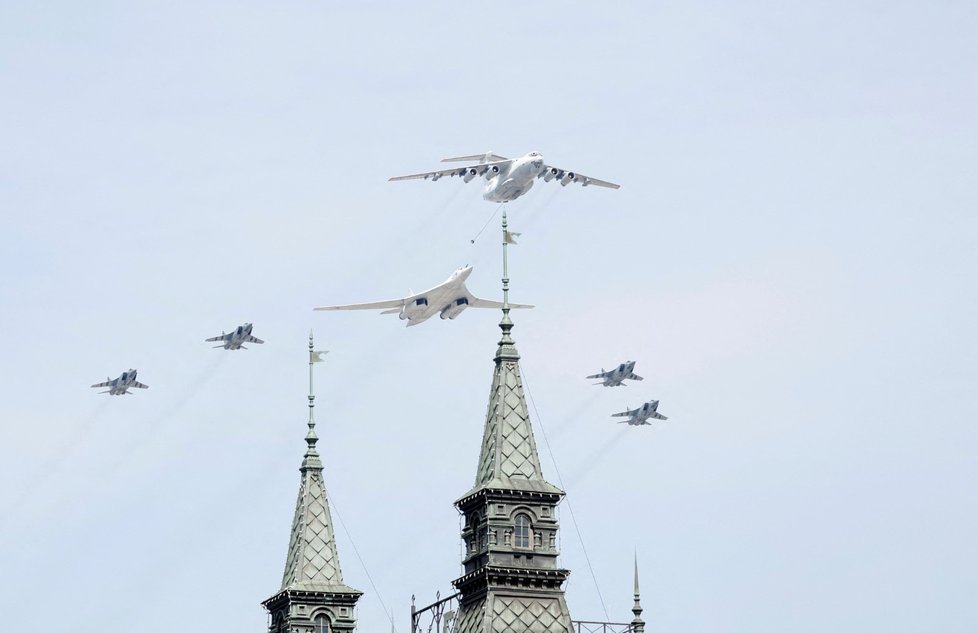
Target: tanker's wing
[(585, 181)]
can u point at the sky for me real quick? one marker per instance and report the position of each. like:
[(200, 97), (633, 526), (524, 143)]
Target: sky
[(791, 260)]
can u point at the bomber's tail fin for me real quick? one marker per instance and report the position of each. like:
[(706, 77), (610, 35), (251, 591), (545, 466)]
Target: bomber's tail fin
[(488, 157)]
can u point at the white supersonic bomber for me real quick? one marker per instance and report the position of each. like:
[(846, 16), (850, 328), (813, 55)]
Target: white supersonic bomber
[(447, 299), (508, 178)]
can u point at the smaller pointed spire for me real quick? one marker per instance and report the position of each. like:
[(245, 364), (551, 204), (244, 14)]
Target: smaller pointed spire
[(638, 624)]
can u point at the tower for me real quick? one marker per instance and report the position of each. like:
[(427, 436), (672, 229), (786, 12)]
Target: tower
[(510, 581), (313, 598)]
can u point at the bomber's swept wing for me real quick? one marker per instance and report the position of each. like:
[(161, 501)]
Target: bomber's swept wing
[(559, 174), (376, 305), (476, 302), (480, 170)]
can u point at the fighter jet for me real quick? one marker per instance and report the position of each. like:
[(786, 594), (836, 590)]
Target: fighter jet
[(235, 338), (641, 415), (448, 299), (617, 376), (508, 178), (122, 384)]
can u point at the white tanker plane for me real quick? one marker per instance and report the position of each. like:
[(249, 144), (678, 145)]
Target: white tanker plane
[(508, 178), (448, 299)]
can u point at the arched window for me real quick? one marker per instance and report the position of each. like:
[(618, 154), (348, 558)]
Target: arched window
[(521, 532), (320, 624)]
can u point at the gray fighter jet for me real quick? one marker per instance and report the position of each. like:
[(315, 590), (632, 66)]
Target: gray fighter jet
[(235, 338), (616, 376), (641, 415), (122, 384)]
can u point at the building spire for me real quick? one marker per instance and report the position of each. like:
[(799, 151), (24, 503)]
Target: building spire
[(638, 624)]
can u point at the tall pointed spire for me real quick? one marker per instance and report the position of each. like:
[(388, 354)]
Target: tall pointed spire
[(511, 581), (509, 457), (638, 624), (312, 584)]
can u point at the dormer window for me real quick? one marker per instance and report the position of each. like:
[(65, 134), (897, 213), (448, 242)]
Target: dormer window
[(521, 531)]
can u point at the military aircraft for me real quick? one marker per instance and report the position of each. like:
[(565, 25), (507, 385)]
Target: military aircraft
[(448, 299), (616, 376), (641, 415), (235, 338), (508, 178), (122, 384)]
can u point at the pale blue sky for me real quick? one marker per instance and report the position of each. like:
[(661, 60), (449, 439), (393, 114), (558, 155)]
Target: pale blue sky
[(791, 260)]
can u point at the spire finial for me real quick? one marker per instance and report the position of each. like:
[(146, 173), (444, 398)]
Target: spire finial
[(311, 458), (507, 349), (638, 624)]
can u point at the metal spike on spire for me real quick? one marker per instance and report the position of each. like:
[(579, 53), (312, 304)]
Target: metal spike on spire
[(638, 624), (311, 458), (507, 348)]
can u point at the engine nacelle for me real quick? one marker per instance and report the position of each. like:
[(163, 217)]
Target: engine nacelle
[(469, 175), (455, 308), (568, 178), (550, 174), (414, 309), (492, 172)]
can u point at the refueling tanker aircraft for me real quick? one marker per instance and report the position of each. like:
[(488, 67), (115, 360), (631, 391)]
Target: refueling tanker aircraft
[(449, 299), (122, 384), (641, 415), (616, 376), (508, 178), (234, 339)]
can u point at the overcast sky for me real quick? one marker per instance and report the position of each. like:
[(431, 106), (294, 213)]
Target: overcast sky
[(791, 260)]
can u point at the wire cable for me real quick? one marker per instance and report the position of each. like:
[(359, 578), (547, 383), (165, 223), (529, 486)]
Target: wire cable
[(570, 508), (339, 516)]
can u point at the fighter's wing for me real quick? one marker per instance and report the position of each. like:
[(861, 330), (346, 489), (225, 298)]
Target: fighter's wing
[(376, 305), (603, 374), (253, 339), (658, 416), (222, 337), (110, 383), (480, 170), (623, 414), (139, 385), (556, 173), (635, 376)]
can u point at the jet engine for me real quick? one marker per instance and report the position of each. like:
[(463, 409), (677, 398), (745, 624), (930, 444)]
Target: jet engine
[(550, 174), (492, 171), (469, 174), (454, 308), (414, 309), (568, 177)]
